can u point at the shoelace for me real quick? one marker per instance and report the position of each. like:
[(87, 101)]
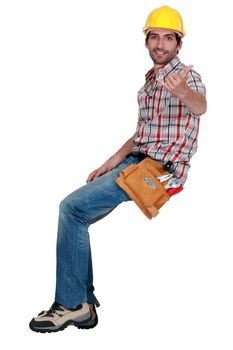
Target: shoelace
[(58, 307), (53, 310)]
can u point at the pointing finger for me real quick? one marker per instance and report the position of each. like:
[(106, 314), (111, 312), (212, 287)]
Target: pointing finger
[(186, 71)]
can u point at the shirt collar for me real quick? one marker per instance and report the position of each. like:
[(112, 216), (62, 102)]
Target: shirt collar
[(163, 72)]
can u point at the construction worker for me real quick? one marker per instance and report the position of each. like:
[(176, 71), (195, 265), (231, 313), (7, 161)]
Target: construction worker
[(170, 104)]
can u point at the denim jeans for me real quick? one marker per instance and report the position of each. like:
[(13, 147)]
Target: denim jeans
[(80, 209)]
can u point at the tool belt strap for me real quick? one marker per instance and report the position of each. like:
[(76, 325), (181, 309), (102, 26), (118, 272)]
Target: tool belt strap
[(141, 183)]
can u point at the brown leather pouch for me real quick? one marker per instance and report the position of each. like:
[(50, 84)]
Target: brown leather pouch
[(141, 183)]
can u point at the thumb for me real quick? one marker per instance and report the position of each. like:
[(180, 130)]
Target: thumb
[(160, 81)]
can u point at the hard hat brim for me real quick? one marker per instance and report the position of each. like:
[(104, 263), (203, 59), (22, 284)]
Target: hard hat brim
[(146, 30)]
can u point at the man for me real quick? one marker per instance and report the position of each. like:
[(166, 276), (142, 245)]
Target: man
[(170, 105)]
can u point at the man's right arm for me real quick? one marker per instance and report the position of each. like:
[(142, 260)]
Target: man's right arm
[(113, 161)]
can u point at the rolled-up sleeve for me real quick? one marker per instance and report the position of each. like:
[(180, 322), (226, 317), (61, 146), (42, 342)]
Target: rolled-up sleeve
[(195, 83)]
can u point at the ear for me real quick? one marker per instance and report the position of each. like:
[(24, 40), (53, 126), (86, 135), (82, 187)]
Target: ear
[(146, 45), (180, 45)]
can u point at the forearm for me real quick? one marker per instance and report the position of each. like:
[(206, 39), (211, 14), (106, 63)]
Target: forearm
[(113, 161), (194, 101)]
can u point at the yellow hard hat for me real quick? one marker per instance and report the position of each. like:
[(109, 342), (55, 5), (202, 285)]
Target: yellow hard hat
[(165, 17)]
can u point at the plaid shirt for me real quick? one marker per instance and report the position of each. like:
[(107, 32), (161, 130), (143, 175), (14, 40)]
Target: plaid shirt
[(166, 129)]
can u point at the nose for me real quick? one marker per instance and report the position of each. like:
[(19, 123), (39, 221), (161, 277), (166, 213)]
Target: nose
[(160, 43)]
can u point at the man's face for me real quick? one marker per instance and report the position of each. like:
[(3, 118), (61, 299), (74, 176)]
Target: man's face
[(162, 46)]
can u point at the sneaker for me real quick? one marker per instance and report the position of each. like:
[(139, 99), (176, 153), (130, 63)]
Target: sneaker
[(93, 321), (58, 318)]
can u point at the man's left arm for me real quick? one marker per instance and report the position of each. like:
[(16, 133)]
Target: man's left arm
[(177, 85)]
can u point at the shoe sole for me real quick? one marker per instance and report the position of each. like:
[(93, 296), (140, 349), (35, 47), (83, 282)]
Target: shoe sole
[(81, 325)]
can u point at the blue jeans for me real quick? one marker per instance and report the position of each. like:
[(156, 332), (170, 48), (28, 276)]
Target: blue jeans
[(80, 209)]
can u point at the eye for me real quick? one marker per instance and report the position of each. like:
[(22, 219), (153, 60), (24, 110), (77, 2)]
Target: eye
[(153, 36), (169, 37)]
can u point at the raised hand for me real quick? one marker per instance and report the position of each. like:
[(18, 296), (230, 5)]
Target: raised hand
[(176, 84)]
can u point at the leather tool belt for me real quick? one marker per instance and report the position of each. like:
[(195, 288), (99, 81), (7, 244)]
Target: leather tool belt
[(141, 183)]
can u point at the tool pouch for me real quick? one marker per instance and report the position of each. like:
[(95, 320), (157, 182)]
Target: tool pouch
[(141, 183)]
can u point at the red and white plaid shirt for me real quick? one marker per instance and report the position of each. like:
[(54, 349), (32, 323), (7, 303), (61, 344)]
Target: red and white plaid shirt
[(166, 129)]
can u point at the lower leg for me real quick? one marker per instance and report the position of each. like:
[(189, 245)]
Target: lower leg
[(77, 211)]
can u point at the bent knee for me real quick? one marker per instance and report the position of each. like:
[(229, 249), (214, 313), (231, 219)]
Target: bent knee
[(74, 207), (66, 205)]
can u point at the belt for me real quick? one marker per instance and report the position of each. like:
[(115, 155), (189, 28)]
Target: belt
[(168, 166), (139, 156)]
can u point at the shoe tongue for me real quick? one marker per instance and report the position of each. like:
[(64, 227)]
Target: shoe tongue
[(55, 306)]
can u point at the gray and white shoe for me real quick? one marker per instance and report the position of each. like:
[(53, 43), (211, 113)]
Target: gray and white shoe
[(58, 318)]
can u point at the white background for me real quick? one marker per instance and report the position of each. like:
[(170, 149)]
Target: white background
[(69, 75)]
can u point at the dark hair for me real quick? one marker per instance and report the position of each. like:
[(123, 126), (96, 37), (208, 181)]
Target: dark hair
[(178, 38)]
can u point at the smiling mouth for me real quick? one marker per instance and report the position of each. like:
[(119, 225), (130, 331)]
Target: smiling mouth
[(159, 53)]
